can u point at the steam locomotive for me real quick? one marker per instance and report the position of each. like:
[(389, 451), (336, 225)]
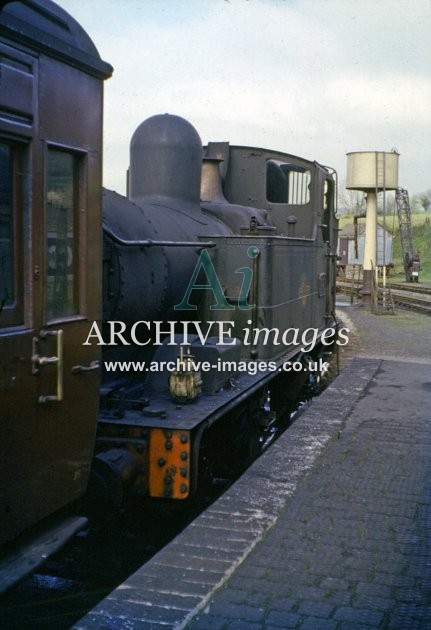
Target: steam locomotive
[(141, 368), (229, 252)]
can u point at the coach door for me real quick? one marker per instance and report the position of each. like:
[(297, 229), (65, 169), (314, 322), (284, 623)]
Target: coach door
[(68, 291), (49, 295), (17, 387)]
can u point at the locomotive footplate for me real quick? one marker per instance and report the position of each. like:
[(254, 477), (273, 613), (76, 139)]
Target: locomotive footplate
[(160, 437)]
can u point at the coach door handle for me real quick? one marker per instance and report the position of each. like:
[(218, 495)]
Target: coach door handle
[(94, 365), (39, 360)]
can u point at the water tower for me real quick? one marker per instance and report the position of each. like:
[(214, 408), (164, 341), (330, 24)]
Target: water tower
[(371, 172)]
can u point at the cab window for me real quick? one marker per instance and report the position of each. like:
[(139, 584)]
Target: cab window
[(287, 183), (328, 207)]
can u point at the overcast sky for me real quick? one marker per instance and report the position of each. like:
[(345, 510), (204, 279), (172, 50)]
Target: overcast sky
[(315, 78)]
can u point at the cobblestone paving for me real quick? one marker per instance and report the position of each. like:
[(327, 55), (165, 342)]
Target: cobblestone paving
[(352, 547)]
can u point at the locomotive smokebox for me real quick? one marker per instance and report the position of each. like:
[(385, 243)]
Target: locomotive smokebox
[(165, 160)]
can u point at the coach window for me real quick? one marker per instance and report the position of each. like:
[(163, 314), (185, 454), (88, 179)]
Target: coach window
[(287, 183), (11, 266), (62, 234)]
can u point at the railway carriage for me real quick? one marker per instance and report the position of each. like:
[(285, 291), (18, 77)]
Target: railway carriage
[(51, 98)]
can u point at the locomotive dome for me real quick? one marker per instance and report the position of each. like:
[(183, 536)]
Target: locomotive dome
[(44, 26), (165, 159)]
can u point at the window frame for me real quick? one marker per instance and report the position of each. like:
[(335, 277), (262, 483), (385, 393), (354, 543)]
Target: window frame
[(295, 188), (79, 233), (12, 315)]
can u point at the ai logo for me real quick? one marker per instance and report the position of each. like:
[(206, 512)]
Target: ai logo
[(205, 265)]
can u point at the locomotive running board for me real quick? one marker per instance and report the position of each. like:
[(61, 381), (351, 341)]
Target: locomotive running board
[(26, 558)]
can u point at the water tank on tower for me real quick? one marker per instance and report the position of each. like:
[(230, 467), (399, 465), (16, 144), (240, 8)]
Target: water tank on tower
[(371, 172)]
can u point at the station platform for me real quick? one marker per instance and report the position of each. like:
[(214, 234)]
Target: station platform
[(330, 528)]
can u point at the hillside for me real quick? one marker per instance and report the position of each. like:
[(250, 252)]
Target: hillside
[(421, 223)]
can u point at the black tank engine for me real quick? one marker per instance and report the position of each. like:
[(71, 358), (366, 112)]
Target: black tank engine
[(226, 253)]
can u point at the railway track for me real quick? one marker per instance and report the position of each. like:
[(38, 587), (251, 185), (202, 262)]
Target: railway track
[(97, 560), (412, 286), (90, 566), (412, 296)]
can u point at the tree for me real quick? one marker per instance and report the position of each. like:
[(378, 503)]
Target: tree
[(425, 199), (390, 207), (415, 203), (350, 201)]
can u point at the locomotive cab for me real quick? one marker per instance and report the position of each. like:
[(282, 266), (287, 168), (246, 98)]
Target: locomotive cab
[(50, 214)]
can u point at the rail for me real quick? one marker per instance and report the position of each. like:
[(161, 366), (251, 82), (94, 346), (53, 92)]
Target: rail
[(415, 298)]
